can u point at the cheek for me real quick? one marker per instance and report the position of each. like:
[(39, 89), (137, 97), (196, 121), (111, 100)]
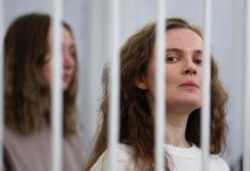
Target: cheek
[(172, 76), (199, 76), (151, 82), (47, 73), (73, 65), (170, 79)]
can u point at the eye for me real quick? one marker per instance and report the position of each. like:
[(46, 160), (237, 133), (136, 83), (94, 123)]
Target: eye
[(172, 59), (198, 61), (47, 58), (72, 53)]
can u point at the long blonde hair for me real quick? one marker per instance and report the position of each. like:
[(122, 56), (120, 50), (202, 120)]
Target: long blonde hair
[(26, 96)]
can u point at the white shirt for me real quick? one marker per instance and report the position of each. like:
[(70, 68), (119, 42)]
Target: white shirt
[(189, 159), (183, 159)]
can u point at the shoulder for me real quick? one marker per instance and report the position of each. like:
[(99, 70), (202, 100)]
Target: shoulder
[(123, 160), (74, 152), (12, 138), (74, 145), (74, 141), (218, 163)]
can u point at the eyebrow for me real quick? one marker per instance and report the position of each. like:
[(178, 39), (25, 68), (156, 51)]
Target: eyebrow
[(70, 45), (180, 50)]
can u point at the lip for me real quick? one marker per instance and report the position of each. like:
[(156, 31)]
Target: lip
[(66, 76), (189, 84)]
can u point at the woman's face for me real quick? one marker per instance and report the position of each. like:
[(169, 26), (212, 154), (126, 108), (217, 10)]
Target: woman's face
[(183, 72), (69, 63)]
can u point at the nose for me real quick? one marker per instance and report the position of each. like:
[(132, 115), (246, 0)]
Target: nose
[(68, 60), (190, 67)]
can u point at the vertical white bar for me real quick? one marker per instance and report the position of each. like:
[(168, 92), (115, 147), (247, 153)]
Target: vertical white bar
[(114, 88), (246, 153), (236, 122), (56, 113), (2, 81), (160, 86), (205, 114)]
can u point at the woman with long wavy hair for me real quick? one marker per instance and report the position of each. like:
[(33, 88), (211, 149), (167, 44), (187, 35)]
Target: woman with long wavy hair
[(183, 63), (27, 133)]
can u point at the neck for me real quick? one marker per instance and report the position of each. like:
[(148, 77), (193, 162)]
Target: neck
[(175, 130)]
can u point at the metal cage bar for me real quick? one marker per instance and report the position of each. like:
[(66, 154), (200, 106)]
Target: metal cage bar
[(57, 112), (246, 139), (206, 91), (2, 80), (114, 84), (160, 86)]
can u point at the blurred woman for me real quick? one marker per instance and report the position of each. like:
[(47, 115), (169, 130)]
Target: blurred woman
[(27, 111)]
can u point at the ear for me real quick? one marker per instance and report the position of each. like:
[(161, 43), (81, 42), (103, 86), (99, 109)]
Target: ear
[(140, 83)]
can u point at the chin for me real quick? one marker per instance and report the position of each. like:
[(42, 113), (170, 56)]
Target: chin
[(195, 105), (192, 105), (65, 87)]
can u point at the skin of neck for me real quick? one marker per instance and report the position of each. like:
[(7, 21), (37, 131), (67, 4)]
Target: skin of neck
[(176, 123), (175, 129)]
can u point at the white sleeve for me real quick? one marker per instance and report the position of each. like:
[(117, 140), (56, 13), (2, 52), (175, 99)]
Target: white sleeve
[(224, 166), (124, 160), (219, 164)]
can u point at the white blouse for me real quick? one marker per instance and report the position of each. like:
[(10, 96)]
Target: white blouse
[(182, 159)]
